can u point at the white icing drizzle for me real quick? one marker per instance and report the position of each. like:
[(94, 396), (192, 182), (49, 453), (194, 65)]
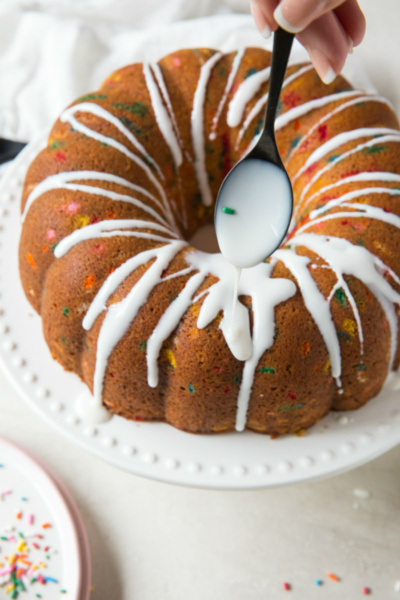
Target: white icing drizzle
[(261, 102), (246, 91), (95, 109), (120, 315), (112, 228), (340, 140), (163, 119), (375, 142), (381, 176), (235, 67), (343, 258), (62, 181), (355, 101), (197, 129), (354, 195), (301, 110)]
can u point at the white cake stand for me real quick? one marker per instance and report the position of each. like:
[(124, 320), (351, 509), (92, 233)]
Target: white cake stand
[(247, 460)]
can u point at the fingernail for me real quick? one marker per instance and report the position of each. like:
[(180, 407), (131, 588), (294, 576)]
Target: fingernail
[(266, 32), (351, 44), (282, 21), (322, 65), (329, 76)]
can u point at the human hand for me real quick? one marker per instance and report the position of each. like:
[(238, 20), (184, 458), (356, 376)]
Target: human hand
[(328, 29)]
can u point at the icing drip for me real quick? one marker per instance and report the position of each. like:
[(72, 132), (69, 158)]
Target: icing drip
[(197, 129), (380, 176), (235, 67), (375, 142), (163, 119), (62, 181), (303, 109), (120, 315), (340, 140), (343, 258), (354, 102), (111, 228), (246, 91), (262, 102), (95, 109), (355, 195)]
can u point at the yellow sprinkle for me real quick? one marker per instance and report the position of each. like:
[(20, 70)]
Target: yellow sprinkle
[(350, 326), (21, 546), (327, 366), (81, 221), (170, 357)]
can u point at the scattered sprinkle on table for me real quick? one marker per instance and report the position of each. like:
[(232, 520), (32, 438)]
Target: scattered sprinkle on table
[(366, 591), (287, 586), (319, 582), (333, 576)]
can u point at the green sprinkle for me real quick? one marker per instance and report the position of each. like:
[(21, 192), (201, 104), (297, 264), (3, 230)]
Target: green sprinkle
[(65, 311), (340, 296), (228, 211), (267, 370), (290, 407), (360, 367), (374, 149), (250, 72), (191, 388), (143, 345), (57, 144), (92, 97), (136, 108)]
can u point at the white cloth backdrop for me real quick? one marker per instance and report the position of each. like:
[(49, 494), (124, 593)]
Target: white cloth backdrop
[(52, 51)]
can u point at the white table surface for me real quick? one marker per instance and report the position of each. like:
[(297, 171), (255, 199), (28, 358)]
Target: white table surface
[(151, 540)]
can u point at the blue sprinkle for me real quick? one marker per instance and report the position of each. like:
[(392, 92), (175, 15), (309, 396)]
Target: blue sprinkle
[(47, 578), (319, 582), (191, 388), (24, 499)]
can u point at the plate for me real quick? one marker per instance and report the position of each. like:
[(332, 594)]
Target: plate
[(36, 504), (246, 460)]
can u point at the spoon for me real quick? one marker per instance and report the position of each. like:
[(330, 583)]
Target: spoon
[(9, 149), (255, 201)]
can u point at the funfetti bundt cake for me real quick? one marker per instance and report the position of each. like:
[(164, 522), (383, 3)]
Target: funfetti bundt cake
[(131, 172)]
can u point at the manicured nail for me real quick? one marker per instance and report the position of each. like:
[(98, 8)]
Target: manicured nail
[(266, 32), (322, 65), (329, 76), (282, 21), (351, 44)]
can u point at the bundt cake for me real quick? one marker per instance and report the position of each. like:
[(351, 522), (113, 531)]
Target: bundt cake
[(131, 172)]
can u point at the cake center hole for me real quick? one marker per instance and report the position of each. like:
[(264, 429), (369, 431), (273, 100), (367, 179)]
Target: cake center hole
[(205, 239)]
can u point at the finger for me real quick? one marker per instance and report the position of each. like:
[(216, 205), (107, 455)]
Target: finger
[(295, 15), (261, 22), (352, 20), (327, 44), (262, 11)]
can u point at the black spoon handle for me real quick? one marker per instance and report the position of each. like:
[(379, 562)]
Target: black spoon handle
[(283, 41), (9, 149)]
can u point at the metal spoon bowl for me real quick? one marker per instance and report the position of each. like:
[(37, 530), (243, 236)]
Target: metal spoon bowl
[(255, 201)]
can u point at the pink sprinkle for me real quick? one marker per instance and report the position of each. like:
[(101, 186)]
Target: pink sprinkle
[(35, 545), (50, 234), (30, 519), (6, 571), (287, 586), (176, 61), (47, 548), (6, 492), (73, 207), (41, 579)]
